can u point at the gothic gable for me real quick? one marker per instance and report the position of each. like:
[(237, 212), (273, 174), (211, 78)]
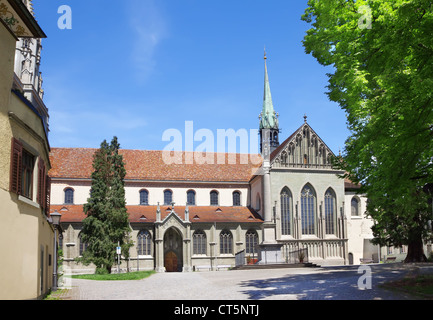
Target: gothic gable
[(303, 149)]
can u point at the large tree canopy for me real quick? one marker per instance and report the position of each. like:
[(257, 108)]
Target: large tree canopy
[(381, 56)]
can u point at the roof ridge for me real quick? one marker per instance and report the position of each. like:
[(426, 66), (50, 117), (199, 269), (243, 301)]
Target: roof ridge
[(145, 150)]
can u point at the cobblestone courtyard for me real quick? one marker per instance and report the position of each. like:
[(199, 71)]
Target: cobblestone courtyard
[(328, 283)]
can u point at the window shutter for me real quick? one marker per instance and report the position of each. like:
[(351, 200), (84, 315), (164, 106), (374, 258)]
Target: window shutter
[(15, 172), (41, 183), (47, 194)]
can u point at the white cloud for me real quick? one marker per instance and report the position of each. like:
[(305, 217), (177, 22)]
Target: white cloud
[(149, 28)]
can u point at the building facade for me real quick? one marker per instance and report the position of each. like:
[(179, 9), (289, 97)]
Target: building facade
[(183, 216), (26, 232), (189, 215)]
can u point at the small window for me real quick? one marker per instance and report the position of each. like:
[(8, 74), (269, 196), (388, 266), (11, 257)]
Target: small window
[(69, 196), (236, 198), (190, 197), (355, 206), (214, 198), (144, 198), (27, 166), (168, 197)]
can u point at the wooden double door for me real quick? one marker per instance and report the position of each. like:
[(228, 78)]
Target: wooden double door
[(170, 262), (173, 251)]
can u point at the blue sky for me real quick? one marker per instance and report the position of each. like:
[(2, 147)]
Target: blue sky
[(135, 68)]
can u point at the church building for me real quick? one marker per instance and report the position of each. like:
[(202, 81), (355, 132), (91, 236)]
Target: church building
[(199, 216)]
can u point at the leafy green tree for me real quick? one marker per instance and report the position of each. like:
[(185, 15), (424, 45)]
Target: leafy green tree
[(107, 222), (380, 54)]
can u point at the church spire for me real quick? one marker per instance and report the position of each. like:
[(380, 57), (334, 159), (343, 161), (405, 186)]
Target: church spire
[(269, 127), (268, 117)]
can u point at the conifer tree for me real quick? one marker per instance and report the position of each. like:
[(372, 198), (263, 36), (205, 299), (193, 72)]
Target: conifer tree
[(107, 222)]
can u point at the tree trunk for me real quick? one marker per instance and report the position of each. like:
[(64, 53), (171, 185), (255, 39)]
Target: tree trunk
[(415, 252)]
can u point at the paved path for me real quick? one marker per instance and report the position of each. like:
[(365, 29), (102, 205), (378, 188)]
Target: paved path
[(334, 283)]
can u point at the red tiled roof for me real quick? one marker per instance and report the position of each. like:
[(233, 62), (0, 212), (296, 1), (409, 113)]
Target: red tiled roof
[(149, 165), (348, 184), (74, 213)]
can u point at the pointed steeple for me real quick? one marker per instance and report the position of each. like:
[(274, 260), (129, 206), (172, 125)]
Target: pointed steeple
[(268, 117), (269, 126)]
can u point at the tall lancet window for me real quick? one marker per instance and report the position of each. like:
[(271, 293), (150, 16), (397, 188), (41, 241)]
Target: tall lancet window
[(330, 214), (286, 211), (251, 242), (199, 242), (226, 242), (144, 243), (308, 210)]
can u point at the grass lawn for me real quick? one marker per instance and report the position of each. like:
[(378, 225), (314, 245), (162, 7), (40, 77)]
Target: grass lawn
[(421, 285), (65, 294), (115, 277)]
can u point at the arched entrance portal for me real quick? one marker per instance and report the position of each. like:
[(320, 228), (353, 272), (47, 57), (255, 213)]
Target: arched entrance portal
[(173, 253)]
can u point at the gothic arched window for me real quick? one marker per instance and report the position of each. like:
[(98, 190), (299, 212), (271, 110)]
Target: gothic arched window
[(144, 197), (330, 211), (144, 243), (226, 242), (286, 211), (199, 242), (251, 242), (190, 197), (308, 210)]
